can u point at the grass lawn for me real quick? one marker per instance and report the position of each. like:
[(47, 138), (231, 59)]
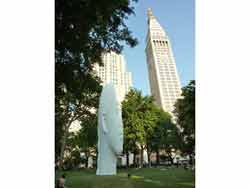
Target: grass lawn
[(140, 178)]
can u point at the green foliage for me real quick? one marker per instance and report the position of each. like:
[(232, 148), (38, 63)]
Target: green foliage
[(154, 138), (185, 113), (84, 29), (137, 119), (73, 104), (58, 135), (147, 125), (89, 27), (88, 133), (83, 140), (86, 137), (165, 135)]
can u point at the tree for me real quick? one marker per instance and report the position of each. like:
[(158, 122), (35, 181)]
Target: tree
[(88, 136), (82, 141), (185, 114), (170, 139), (138, 120), (133, 131), (74, 106), (84, 29), (73, 152), (163, 135), (58, 135), (153, 116), (147, 126)]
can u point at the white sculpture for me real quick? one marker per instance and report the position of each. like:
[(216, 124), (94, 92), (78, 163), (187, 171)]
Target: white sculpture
[(110, 131)]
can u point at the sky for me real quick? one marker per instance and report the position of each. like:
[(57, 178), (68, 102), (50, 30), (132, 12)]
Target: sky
[(177, 18)]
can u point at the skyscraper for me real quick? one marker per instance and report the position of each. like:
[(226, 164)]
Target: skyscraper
[(114, 70), (164, 81)]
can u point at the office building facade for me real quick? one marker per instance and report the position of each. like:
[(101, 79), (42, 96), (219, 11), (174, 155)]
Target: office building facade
[(114, 70), (164, 80)]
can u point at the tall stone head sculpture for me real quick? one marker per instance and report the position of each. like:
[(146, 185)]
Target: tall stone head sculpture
[(110, 131)]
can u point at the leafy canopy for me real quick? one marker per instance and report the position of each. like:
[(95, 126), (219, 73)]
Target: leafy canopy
[(84, 29), (185, 113)]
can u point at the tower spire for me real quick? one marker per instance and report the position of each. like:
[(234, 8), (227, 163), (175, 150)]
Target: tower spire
[(150, 13)]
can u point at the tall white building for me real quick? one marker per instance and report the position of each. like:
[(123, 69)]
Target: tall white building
[(164, 81), (114, 70)]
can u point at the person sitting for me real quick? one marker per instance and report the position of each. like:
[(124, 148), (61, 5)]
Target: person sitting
[(61, 181)]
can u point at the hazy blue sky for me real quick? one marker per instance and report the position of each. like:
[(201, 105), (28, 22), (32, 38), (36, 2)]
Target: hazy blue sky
[(177, 18)]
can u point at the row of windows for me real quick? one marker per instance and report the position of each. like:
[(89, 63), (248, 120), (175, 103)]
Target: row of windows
[(170, 99), (160, 42), (162, 55), (166, 69), (165, 62), (167, 73), (160, 51), (164, 65), (171, 84), (171, 90), (168, 77), (170, 87), (158, 36)]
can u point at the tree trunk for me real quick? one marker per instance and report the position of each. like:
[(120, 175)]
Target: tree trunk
[(134, 159), (62, 150), (157, 157), (171, 159), (87, 159), (148, 154), (191, 159), (64, 139), (127, 159), (149, 160), (141, 161)]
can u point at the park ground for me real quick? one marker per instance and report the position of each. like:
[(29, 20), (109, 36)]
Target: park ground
[(140, 178)]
